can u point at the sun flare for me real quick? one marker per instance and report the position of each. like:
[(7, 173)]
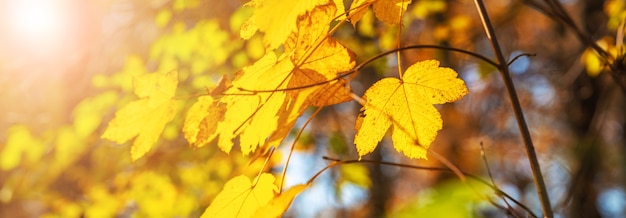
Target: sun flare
[(35, 19)]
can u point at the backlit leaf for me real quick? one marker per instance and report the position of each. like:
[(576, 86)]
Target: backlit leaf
[(253, 117), (389, 11), (407, 104), (357, 174), (202, 119), (358, 9), (88, 113), (319, 58), (277, 206), (241, 197), (277, 90), (276, 18), (156, 195), (145, 119)]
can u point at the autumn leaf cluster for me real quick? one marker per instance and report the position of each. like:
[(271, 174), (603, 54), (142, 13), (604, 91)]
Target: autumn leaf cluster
[(304, 66)]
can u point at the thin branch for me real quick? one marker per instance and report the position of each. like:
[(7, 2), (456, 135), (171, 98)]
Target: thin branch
[(293, 145), (493, 182), (499, 192), (517, 108), (267, 160), (372, 59), (519, 56), (558, 13)]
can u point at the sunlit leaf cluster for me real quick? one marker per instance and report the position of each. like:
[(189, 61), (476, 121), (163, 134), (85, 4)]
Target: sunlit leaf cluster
[(304, 66)]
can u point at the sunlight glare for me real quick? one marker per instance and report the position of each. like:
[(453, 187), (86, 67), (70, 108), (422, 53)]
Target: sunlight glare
[(35, 19)]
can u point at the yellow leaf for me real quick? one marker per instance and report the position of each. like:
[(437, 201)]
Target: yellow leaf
[(276, 18), (135, 66), (156, 195), (422, 9), (163, 17), (201, 122), (319, 58), (407, 104), (357, 174), (253, 117), (358, 9), (88, 113), (277, 206), (101, 202), (316, 58), (21, 148), (258, 100), (241, 197), (593, 63), (341, 10), (69, 147), (248, 29), (145, 118), (389, 11)]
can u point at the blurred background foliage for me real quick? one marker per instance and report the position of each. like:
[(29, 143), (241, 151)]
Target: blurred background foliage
[(61, 82)]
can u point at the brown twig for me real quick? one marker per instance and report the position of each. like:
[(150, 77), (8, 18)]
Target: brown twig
[(517, 108), (364, 63), (499, 192)]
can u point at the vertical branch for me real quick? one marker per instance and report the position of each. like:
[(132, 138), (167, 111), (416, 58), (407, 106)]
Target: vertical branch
[(517, 108)]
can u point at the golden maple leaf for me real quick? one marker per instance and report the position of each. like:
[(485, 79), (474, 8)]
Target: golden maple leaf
[(201, 121), (318, 58), (145, 118), (389, 11), (254, 116), (279, 204), (407, 104), (241, 197), (276, 18), (278, 89)]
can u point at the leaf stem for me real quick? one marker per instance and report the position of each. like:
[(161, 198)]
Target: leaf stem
[(517, 108), (398, 56), (493, 182)]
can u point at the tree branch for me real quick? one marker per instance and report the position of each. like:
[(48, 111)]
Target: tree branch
[(517, 108)]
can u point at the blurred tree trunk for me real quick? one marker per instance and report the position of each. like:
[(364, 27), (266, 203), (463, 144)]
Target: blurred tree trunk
[(380, 191), (584, 107)]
